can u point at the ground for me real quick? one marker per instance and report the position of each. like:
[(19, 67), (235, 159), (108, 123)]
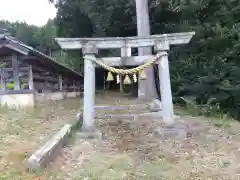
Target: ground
[(129, 149)]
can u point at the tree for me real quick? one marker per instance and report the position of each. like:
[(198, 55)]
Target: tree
[(47, 33), (71, 19)]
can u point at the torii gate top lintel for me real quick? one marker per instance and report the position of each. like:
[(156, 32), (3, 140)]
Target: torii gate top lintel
[(125, 42)]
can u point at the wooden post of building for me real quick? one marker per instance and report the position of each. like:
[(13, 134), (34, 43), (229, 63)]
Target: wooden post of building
[(15, 66), (45, 85), (3, 82), (125, 52), (60, 83), (104, 81), (30, 78), (89, 51), (165, 84), (74, 85), (65, 87)]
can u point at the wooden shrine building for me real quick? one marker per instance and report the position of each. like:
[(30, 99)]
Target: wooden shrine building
[(29, 76)]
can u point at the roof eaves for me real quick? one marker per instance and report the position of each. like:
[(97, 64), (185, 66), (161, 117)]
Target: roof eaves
[(36, 52)]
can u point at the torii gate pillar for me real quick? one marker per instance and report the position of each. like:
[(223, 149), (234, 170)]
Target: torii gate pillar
[(89, 51), (165, 83)]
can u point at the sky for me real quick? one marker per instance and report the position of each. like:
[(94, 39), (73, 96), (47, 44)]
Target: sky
[(34, 12)]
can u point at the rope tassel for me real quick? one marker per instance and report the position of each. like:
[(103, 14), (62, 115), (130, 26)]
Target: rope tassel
[(142, 75), (135, 78), (118, 79), (110, 77), (127, 80)]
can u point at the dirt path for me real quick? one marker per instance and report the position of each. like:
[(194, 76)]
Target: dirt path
[(131, 150)]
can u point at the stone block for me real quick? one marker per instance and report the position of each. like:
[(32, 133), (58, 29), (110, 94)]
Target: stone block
[(44, 155), (177, 131), (89, 48)]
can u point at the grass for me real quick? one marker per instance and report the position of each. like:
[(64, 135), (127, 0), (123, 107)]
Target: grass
[(216, 116), (23, 131)]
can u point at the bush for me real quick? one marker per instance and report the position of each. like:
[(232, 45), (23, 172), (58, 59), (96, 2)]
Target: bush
[(10, 86), (207, 110)]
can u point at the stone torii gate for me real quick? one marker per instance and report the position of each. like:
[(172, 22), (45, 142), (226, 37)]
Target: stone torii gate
[(90, 47)]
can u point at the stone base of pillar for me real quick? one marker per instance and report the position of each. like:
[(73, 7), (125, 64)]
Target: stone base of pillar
[(90, 134)]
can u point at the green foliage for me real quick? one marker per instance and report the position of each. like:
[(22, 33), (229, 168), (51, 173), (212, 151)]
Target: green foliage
[(207, 110), (40, 38), (70, 59), (208, 68), (10, 85), (4, 178), (2, 65), (24, 85)]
